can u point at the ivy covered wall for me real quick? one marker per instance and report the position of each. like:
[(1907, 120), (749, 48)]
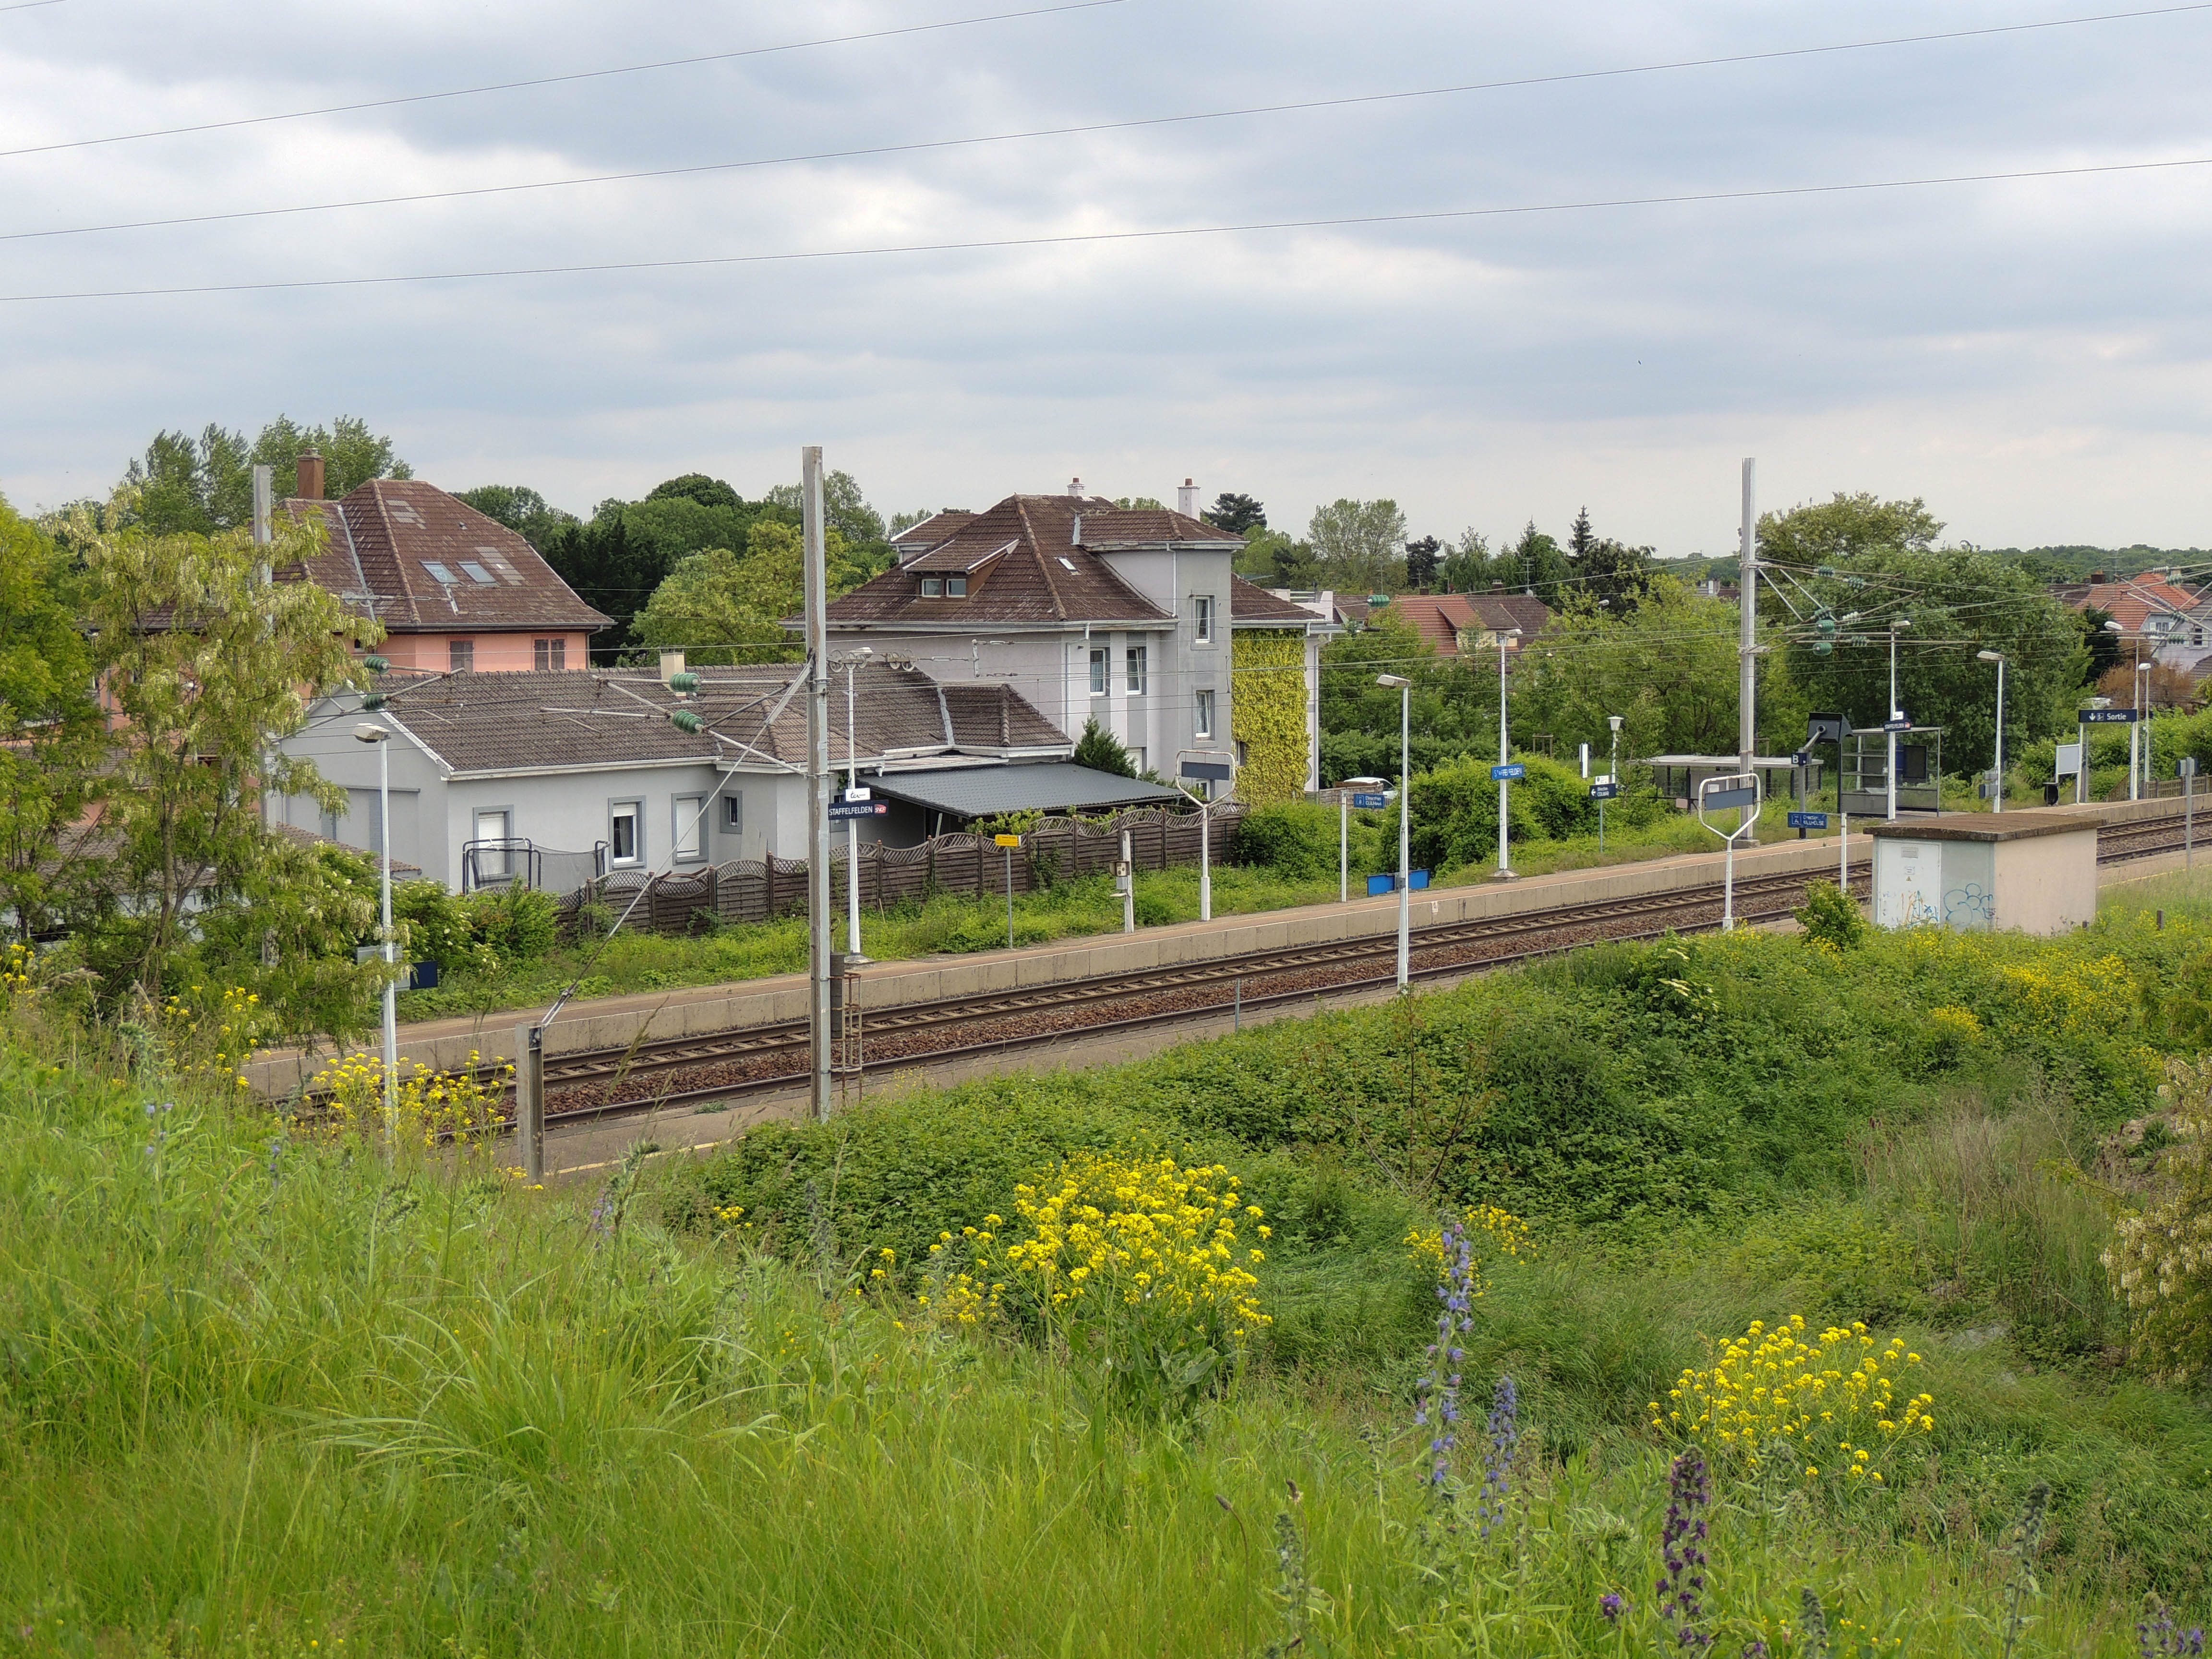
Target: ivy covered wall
[(1267, 713)]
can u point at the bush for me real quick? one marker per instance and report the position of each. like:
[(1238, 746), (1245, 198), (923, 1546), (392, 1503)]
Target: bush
[(1831, 916), (2158, 1258), (440, 927), (1296, 839), (517, 923)]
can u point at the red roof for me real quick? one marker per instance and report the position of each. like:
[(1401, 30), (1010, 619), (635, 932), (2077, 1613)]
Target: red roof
[(2133, 601)]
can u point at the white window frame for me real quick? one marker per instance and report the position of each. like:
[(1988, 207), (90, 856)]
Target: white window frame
[(493, 865), (687, 816), (1203, 624), (614, 810), (956, 587), (1138, 669), (1202, 714), (551, 654), (1101, 675), (932, 587)]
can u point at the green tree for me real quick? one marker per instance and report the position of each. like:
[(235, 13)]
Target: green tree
[(1275, 560), (724, 608), (1534, 560), (1467, 567), (617, 560), (1101, 752), (1842, 529), (2102, 645), (521, 510), (51, 729), (1359, 546), (207, 668), (1667, 667), (181, 486), (707, 491), (1238, 514), (1603, 573), (845, 509), (1422, 557)]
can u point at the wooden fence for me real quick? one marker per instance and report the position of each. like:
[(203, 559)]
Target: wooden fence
[(963, 866)]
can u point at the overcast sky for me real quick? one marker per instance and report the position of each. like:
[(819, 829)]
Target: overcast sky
[(2030, 355)]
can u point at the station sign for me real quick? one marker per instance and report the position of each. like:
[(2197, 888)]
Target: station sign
[(2110, 716), (1378, 885), (1900, 724), (1006, 841), (858, 809), (1604, 791), (1367, 801), (1809, 820), (1728, 800), (1507, 773)]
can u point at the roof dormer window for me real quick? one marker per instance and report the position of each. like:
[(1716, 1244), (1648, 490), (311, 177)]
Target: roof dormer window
[(932, 587), (956, 587)]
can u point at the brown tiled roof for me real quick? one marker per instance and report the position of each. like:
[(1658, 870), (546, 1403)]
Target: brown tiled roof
[(930, 531), (1438, 617), (1498, 611), (1113, 528), (519, 722), (382, 537), (1355, 612), (1251, 605), (1045, 576), (2133, 602)]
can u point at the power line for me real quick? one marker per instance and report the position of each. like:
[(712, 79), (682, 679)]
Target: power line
[(556, 80), (1085, 129), (1079, 238), (29, 5)]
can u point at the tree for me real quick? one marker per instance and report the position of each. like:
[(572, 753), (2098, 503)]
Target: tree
[(698, 486), (51, 729), (1835, 531), (1101, 752), (1668, 667), (1605, 573), (1127, 502), (521, 509), (1358, 545), (1421, 557), (183, 487), (1579, 538), (1274, 559), (2103, 645), (1467, 567), (844, 508), (723, 608), (1238, 514), (617, 560), (207, 668)]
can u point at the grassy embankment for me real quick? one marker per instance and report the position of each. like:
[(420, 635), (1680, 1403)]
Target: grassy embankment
[(262, 1394)]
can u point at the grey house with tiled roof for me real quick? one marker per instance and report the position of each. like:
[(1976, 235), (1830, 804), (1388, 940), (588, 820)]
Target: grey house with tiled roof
[(1089, 609), (556, 776), (454, 590)]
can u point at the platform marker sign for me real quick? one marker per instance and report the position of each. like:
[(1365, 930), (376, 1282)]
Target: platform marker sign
[(1604, 791), (858, 809), (2110, 716), (1809, 820), (1369, 802), (1507, 773), (1900, 724)]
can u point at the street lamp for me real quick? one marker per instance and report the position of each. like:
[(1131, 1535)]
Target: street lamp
[(368, 731), (1405, 689), (1612, 777), (1996, 798), (1895, 715), (854, 659), (2135, 744), (1505, 872)]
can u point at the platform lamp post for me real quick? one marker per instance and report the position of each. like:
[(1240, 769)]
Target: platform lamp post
[(1997, 782), (1612, 776), (854, 659), (1405, 689), (2136, 747), (1505, 872), (1896, 715), (368, 731)]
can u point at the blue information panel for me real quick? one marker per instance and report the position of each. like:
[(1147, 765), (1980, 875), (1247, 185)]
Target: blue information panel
[(1419, 880), (2109, 716), (1809, 820), (1604, 791), (1363, 799), (858, 809), (1378, 885), (1504, 774)]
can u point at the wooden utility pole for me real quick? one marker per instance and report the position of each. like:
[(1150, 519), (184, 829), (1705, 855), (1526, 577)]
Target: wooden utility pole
[(821, 1033)]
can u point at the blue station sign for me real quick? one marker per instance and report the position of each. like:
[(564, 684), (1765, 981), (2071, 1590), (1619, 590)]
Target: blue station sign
[(1809, 820), (858, 809), (1369, 802), (1507, 773), (2110, 716)]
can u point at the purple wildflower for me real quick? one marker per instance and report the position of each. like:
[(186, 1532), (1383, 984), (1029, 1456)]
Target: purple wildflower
[(1611, 1607), (2159, 1638), (1504, 1431), (1437, 1391), (1681, 1588)]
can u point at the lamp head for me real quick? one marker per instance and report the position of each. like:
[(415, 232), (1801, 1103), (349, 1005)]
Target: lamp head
[(1989, 656), (1614, 720), (366, 733), (1395, 682), (2114, 628)]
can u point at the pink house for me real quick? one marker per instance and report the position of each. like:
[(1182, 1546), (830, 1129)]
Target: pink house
[(454, 589)]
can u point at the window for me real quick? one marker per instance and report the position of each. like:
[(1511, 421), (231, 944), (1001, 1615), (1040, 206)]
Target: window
[(932, 587), (460, 656), (734, 813), (552, 653), (1097, 671), (1242, 757), (1204, 603), (492, 861), (1205, 714), (690, 815), (476, 572), (1137, 672), (439, 574), (2197, 633), (622, 820), (1137, 759), (956, 587)]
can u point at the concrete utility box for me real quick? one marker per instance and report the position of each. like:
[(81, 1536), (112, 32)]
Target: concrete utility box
[(2032, 872)]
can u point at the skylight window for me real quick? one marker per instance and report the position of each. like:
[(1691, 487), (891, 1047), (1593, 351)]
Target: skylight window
[(476, 573), (442, 576), (1068, 563)]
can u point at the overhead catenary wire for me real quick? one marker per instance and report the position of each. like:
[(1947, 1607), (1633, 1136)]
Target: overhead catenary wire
[(1078, 129), (556, 80), (1075, 239)]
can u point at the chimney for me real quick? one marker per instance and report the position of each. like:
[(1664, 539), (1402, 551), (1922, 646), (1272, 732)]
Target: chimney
[(672, 665), (1075, 486), (1498, 587), (310, 477), (2097, 578), (1187, 500)]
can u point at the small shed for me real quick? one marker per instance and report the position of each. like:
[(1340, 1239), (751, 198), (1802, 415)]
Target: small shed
[(2033, 872)]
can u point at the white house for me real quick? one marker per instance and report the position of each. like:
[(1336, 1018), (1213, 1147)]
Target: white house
[(556, 776), (1089, 611)]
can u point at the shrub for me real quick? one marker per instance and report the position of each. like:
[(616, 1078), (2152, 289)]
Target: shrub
[(2160, 1258), (1830, 917), (1296, 839), (518, 923), (440, 927)]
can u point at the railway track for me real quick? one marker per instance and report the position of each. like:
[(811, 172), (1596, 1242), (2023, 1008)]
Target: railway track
[(699, 1072)]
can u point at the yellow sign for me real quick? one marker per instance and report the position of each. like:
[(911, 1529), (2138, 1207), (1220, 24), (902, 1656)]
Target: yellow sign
[(1007, 841)]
